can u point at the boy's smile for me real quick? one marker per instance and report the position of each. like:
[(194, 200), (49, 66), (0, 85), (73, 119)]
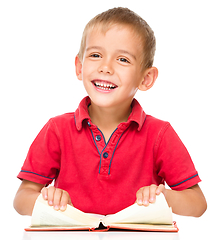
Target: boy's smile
[(111, 69), (104, 86)]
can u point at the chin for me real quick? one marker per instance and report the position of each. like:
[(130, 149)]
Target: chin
[(103, 101)]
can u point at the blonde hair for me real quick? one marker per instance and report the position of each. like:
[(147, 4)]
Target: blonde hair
[(124, 17)]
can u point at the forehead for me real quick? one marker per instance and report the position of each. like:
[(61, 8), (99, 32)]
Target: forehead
[(116, 37)]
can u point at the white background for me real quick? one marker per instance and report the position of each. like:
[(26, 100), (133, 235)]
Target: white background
[(38, 43)]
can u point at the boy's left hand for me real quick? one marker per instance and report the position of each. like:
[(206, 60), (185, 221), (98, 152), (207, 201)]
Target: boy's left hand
[(146, 195)]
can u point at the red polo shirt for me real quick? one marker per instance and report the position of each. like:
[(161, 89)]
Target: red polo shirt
[(104, 177)]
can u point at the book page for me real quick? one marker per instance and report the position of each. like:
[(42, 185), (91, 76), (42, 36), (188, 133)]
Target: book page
[(45, 215), (156, 213), (146, 227)]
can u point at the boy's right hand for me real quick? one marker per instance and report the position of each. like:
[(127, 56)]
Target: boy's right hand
[(56, 197)]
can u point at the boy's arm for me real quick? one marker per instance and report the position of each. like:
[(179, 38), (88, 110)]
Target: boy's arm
[(29, 191), (26, 196), (189, 202)]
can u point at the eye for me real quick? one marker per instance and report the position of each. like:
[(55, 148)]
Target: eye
[(124, 60), (95, 55)]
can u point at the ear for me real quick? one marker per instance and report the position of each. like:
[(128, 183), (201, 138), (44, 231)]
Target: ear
[(149, 77), (78, 68)]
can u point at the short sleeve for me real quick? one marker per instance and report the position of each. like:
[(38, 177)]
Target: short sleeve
[(173, 162), (43, 159)]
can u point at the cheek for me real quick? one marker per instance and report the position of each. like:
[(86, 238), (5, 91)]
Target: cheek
[(130, 80), (87, 70), (83, 71), (132, 91)]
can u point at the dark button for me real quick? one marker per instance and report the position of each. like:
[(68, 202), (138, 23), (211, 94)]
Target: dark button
[(89, 124), (98, 138), (105, 155)]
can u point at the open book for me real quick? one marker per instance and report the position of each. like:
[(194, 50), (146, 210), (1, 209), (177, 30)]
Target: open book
[(155, 217)]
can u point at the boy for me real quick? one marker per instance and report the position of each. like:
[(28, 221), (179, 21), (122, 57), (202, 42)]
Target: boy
[(109, 153)]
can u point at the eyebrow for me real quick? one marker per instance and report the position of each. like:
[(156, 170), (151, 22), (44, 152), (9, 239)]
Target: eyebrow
[(126, 52), (118, 51), (94, 47)]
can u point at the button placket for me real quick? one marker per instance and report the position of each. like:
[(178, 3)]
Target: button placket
[(106, 150), (97, 138)]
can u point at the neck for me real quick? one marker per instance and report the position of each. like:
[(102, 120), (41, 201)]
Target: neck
[(109, 118)]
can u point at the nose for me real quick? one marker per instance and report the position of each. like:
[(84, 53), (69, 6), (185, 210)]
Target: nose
[(106, 67)]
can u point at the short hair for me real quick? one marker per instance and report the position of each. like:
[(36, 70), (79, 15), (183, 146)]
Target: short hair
[(125, 17)]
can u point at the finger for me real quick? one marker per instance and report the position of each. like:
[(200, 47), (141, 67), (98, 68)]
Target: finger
[(139, 197), (57, 198), (145, 194), (152, 193), (50, 195), (65, 199), (44, 193), (160, 189)]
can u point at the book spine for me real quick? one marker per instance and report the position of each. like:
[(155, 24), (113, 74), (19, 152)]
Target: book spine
[(99, 230)]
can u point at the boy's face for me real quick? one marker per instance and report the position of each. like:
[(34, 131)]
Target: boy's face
[(111, 69)]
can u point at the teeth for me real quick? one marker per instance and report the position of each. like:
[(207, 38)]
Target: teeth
[(104, 85)]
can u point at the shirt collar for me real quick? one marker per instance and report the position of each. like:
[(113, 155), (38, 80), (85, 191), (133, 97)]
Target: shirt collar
[(137, 115)]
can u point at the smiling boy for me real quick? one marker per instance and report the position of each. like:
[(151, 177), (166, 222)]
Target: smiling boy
[(109, 153)]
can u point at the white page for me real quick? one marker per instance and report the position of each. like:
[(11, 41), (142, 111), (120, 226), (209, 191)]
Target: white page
[(44, 215), (156, 213)]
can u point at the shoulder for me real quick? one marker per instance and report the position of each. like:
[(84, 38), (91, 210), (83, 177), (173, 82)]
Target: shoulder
[(153, 123), (63, 117), (62, 121), (155, 129)]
